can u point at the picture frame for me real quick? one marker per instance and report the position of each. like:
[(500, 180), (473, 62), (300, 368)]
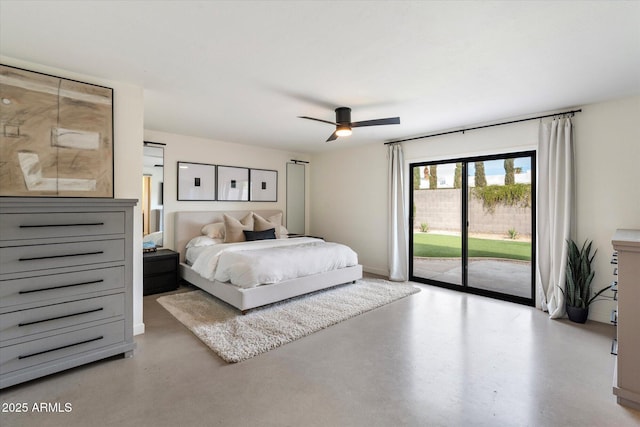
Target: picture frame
[(56, 138), (233, 183), (263, 185), (196, 181)]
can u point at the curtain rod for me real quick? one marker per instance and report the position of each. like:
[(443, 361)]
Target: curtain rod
[(485, 126)]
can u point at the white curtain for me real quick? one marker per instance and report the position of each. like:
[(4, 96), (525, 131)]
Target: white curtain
[(398, 232), (555, 212)]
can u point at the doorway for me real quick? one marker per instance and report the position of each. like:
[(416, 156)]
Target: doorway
[(146, 204), (472, 226)]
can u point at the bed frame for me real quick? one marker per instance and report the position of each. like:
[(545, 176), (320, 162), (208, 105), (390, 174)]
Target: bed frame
[(187, 226)]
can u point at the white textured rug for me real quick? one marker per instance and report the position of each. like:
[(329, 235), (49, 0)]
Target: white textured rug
[(235, 337)]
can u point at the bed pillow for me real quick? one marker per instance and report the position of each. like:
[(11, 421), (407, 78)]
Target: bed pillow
[(284, 233), (260, 235), (214, 230), (261, 224), (233, 229), (203, 241)]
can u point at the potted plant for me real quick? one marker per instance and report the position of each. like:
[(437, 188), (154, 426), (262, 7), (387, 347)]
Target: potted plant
[(579, 276)]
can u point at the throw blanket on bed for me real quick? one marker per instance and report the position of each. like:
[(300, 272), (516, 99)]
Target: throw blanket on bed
[(249, 264)]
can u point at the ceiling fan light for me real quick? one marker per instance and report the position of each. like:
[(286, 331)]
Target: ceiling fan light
[(343, 131)]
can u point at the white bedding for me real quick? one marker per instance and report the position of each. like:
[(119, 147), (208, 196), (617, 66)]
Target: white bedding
[(249, 264), (192, 254)]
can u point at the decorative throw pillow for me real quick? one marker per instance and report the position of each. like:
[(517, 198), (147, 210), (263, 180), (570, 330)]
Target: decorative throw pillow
[(233, 229), (261, 224), (260, 235), (214, 230)]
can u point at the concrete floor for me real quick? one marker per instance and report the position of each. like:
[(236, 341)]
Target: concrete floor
[(437, 358)]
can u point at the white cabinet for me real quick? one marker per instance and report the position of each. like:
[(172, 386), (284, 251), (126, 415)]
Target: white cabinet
[(626, 384)]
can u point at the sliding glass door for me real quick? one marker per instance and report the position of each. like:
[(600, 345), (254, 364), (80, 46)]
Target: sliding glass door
[(437, 226), (472, 225)]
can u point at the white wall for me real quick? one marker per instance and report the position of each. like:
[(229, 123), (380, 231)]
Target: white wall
[(608, 181), (128, 127), (200, 150), (349, 186), (349, 202)]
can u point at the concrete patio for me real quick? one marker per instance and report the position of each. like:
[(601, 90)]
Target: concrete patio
[(499, 275)]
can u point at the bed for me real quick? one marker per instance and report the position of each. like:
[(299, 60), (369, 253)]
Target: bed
[(188, 225)]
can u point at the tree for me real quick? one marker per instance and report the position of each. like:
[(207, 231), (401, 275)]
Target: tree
[(509, 177), (457, 176), (416, 178), (433, 176), (481, 179)]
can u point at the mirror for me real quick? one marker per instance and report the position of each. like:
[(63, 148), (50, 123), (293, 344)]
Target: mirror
[(295, 197), (152, 194)]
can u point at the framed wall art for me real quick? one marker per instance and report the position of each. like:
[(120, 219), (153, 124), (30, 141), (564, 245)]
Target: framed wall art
[(56, 136), (196, 181), (233, 183), (263, 185)]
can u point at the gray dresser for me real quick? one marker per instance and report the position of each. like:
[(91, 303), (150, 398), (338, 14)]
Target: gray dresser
[(65, 284)]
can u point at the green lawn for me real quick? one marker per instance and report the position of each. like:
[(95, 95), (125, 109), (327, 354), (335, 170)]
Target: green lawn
[(443, 246)]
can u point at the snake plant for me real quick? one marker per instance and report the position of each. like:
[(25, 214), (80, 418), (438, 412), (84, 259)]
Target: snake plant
[(580, 275)]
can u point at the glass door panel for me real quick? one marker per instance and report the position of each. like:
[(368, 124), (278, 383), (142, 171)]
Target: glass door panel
[(494, 196), (436, 235), (500, 226)]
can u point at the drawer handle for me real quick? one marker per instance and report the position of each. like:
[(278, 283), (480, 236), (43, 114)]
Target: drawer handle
[(60, 287), (61, 225), (59, 348), (60, 317), (60, 256)]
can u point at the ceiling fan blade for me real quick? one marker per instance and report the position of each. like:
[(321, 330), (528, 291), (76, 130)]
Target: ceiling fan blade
[(333, 137), (377, 122), (318, 120)]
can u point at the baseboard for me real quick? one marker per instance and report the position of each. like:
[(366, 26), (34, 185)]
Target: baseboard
[(138, 329), (600, 311), (376, 271)]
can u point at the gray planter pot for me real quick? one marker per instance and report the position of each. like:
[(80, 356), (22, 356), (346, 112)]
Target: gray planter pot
[(577, 314)]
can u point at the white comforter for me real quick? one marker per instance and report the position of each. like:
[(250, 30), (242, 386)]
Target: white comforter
[(249, 264)]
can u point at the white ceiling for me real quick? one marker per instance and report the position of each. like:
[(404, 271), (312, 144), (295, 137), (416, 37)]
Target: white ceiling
[(242, 71)]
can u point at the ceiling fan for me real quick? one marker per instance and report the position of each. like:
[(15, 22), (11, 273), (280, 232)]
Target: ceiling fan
[(344, 124)]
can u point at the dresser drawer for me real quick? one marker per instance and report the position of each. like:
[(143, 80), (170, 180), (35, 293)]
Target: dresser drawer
[(15, 259), (32, 353), (40, 289), (25, 323), (21, 226)]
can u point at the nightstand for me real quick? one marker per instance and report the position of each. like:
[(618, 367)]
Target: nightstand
[(160, 271)]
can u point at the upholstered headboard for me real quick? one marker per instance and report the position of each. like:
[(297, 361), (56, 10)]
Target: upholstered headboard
[(187, 224)]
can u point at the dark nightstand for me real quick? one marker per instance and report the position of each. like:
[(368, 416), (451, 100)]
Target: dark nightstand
[(160, 271)]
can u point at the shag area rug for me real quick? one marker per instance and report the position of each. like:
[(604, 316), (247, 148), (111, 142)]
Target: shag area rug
[(236, 337)]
